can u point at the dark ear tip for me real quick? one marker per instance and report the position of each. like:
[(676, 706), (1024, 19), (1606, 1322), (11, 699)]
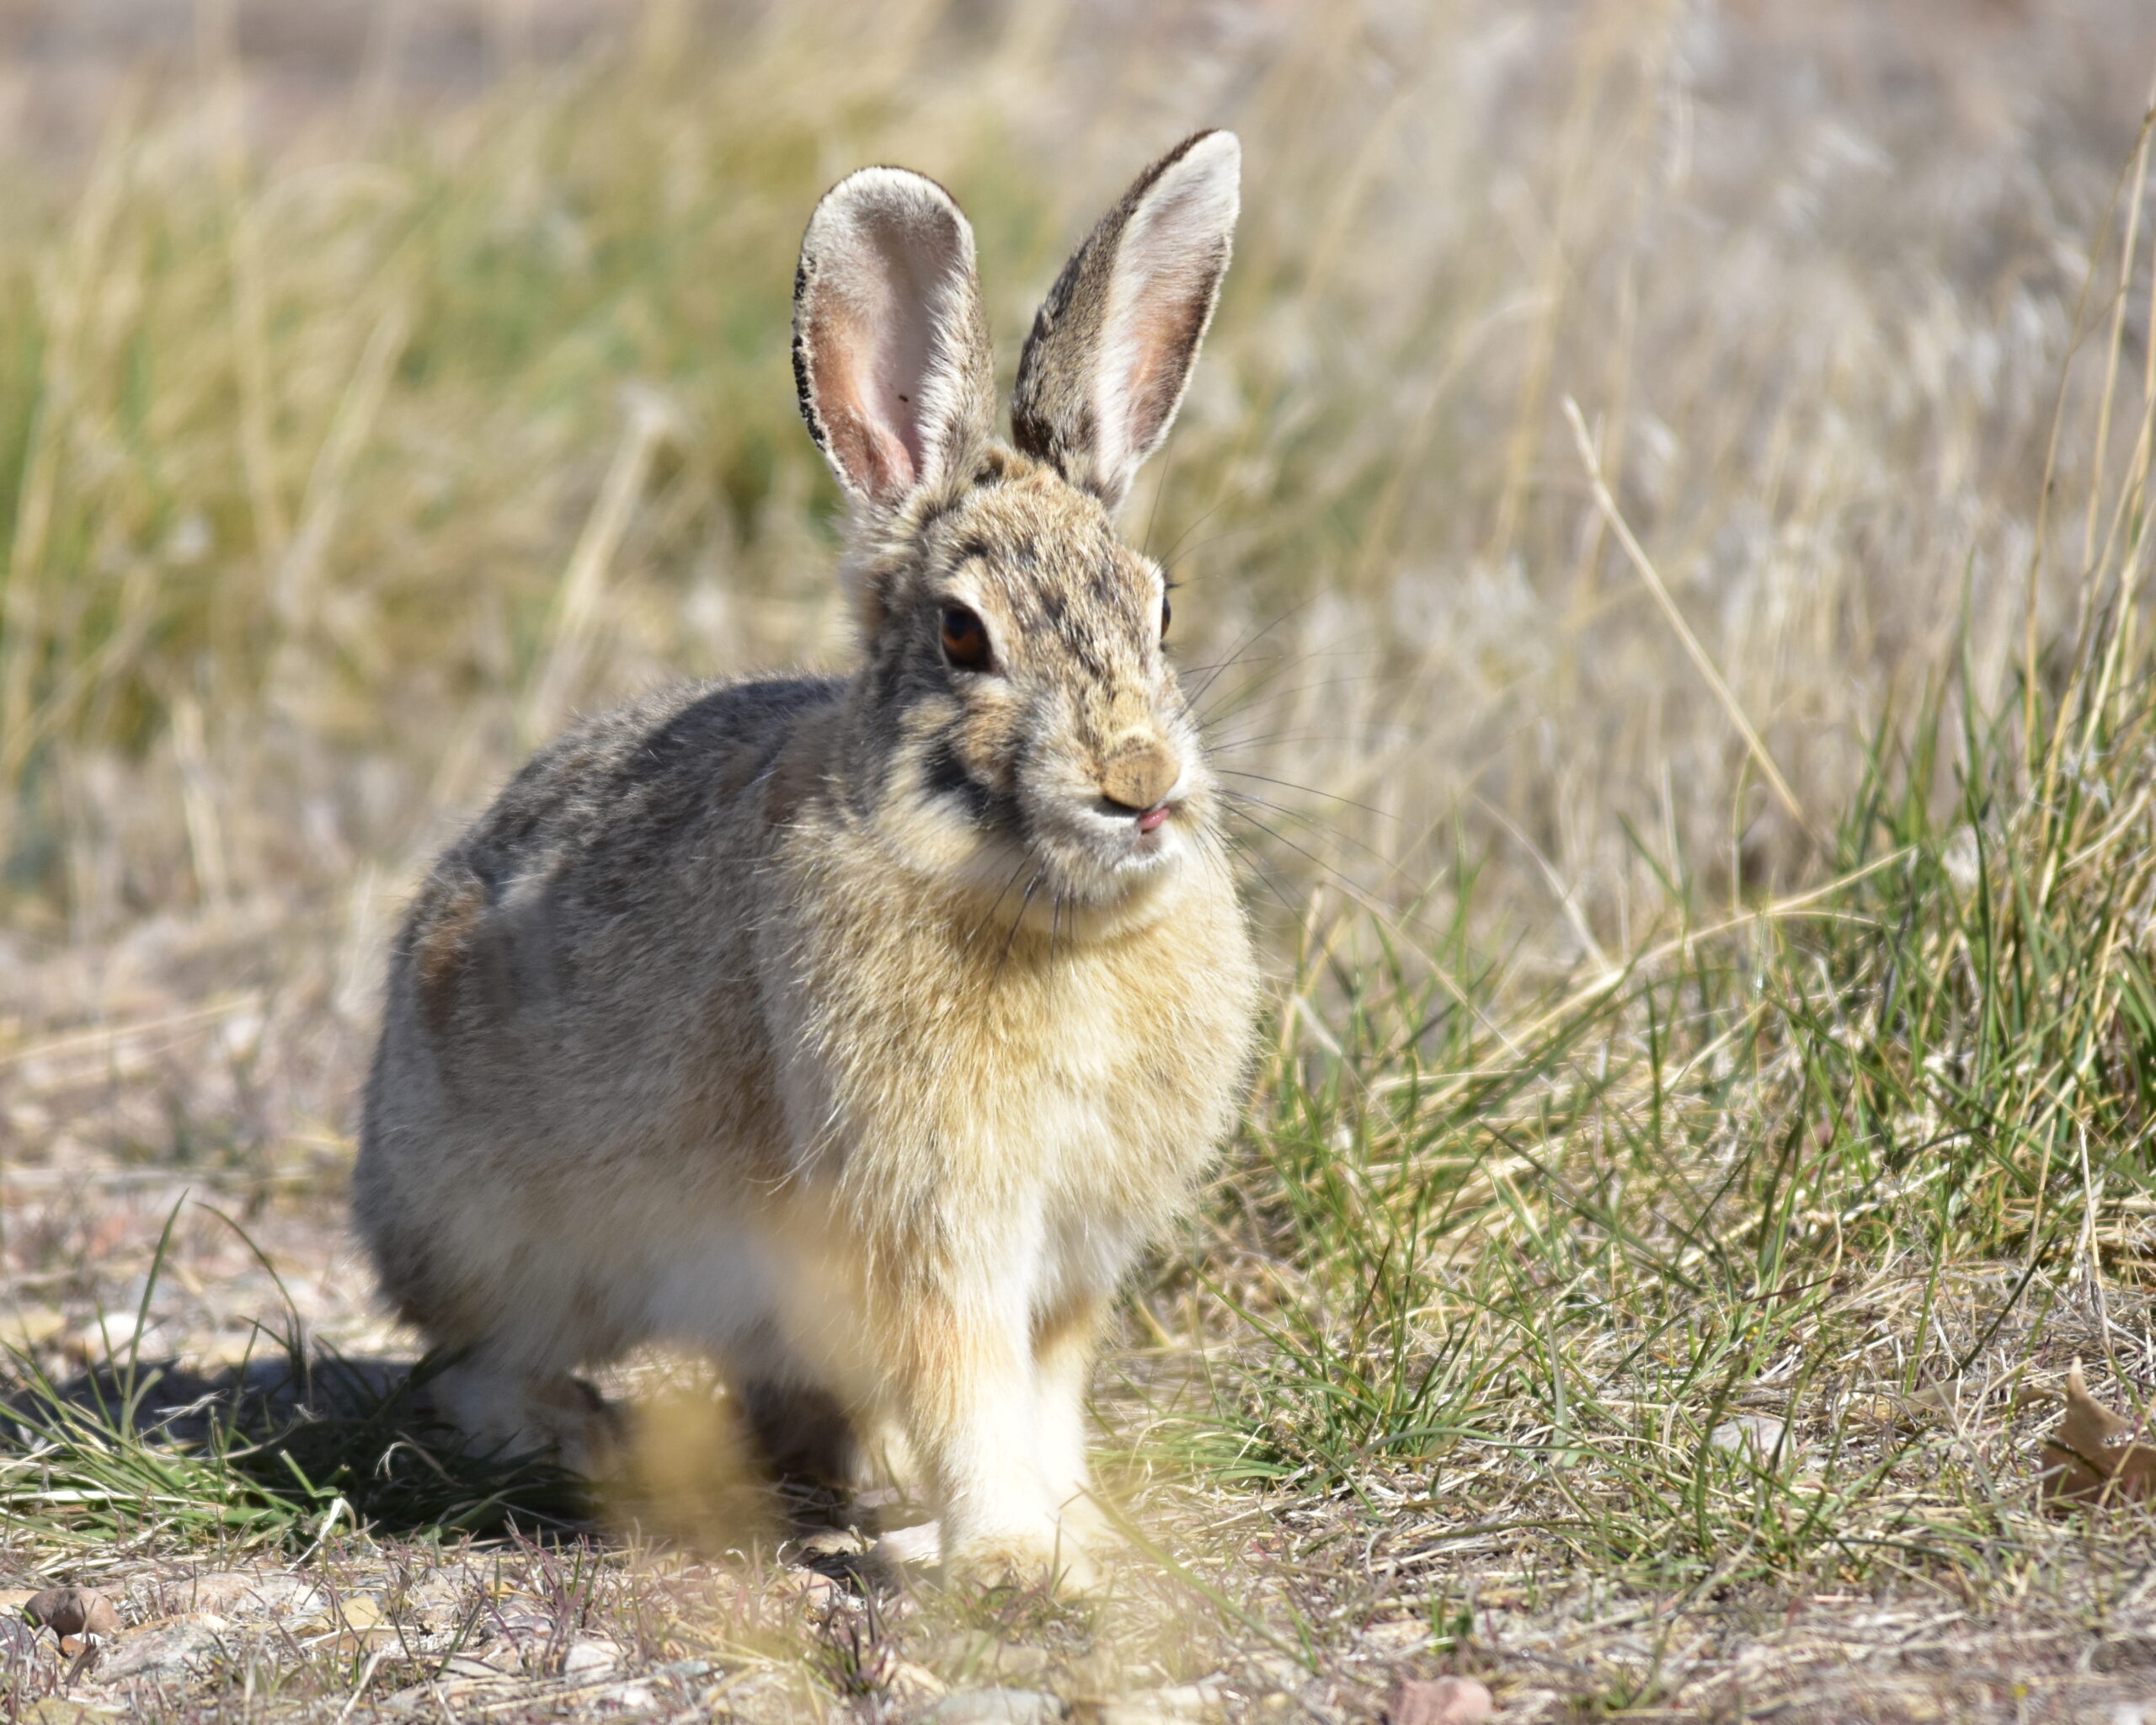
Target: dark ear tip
[(1212, 140)]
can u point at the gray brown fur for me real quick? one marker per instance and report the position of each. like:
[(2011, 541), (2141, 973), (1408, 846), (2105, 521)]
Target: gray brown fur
[(861, 1031)]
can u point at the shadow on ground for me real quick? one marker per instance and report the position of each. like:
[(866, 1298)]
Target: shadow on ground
[(312, 1438), (303, 1432)]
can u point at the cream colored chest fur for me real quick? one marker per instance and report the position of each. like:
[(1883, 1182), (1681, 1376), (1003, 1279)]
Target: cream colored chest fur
[(967, 1096)]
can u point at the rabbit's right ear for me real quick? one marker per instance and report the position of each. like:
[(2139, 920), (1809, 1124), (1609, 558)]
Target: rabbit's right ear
[(890, 349), (1103, 372)]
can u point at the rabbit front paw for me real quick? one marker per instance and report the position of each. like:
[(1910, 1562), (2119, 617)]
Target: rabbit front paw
[(1025, 1558)]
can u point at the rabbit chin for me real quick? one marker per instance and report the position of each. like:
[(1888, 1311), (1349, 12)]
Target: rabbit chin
[(1076, 874)]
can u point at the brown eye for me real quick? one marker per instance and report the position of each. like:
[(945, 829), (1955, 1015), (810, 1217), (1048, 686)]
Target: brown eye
[(1167, 614), (965, 639)]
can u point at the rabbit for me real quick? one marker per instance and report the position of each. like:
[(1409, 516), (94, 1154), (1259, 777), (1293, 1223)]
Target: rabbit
[(863, 1031)]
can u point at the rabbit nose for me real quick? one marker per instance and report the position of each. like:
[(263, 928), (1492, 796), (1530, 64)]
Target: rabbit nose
[(1139, 773)]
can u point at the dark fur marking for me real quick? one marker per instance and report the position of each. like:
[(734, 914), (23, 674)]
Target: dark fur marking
[(1087, 653), (944, 774), (947, 503), (805, 388)]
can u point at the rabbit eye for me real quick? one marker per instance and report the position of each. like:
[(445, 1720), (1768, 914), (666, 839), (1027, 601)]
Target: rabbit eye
[(965, 639), (1167, 615)]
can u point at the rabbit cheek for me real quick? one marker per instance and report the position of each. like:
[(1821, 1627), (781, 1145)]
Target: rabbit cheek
[(950, 780), (955, 817)]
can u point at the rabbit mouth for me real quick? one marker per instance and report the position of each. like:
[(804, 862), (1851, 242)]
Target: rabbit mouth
[(1098, 850), (1054, 834)]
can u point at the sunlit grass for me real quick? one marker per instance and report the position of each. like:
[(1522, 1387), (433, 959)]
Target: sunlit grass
[(1670, 1272)]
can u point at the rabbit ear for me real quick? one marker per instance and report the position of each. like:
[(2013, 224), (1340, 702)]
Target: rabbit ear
[(890, 349), (1104, 369)]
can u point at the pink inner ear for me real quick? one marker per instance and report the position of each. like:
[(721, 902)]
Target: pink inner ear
[(877, 459), (861, 412), (872, 349), (1162, 330)]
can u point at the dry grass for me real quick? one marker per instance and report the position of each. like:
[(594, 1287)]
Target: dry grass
[(1716, 1022)]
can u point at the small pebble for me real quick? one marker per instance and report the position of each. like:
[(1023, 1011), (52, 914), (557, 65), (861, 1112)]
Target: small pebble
[(179, 1649), (1442, 1700), (1766, 1438), (996, 1707), (590, 1655), (1161, 1706)]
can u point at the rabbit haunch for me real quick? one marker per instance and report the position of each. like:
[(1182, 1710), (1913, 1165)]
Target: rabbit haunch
[(863, 1031)]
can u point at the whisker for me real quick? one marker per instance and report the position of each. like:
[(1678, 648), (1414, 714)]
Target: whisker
[(996, 903), (1402, 923), (1176, 549), (1229, 743), (1232, 743), (1250, 855), (1277, 662), (1312, 791), (1275, 665), (1160, 491), (1219, 664), (1311, 857), (1222, 715), (1242, 647), (1032, 886), (1315, 826)]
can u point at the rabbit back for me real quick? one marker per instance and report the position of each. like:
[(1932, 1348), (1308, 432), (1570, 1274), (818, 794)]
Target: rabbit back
[(570, 1010)]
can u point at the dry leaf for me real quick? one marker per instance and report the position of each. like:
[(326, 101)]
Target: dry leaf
[(2084, 1460), (72, 1610)]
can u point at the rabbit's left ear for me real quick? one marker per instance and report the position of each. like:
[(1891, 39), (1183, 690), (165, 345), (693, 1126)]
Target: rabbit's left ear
[(890, 351), (1103, 370)]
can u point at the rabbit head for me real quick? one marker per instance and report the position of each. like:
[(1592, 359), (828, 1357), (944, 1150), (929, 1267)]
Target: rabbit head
[(1016, 710)]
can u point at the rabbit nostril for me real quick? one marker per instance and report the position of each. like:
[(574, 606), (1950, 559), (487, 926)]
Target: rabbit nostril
[(1139, 776)]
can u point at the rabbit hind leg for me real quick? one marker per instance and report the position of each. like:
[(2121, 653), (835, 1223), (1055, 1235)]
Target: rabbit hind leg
[(802, 1432), (508, 1413)]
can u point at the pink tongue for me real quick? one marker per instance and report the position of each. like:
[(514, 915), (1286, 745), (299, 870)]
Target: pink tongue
[(1152, 818)]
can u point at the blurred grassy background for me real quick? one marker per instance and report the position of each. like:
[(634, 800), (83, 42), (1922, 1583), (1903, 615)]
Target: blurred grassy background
[(379, 383)]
